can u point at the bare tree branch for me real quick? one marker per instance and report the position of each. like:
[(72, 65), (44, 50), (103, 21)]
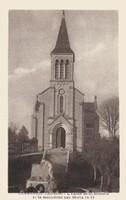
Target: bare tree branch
[(109, 115)]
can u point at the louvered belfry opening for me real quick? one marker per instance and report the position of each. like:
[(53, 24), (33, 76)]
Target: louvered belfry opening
[(67, 75), (62, 69), (57, 69)]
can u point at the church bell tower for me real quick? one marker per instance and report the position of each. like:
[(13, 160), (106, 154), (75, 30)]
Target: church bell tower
[(62, 72), (62, 57)]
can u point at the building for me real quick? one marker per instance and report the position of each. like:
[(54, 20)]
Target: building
[(61, 117)]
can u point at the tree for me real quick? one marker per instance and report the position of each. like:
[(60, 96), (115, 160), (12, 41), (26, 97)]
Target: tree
[(109, 115), (34, 140), (23, 134), (12, 132), (104, 154)]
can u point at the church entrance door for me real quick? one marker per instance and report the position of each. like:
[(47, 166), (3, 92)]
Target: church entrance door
[(60, 137)]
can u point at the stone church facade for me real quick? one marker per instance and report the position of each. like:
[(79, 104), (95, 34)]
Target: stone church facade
[(61, 118)]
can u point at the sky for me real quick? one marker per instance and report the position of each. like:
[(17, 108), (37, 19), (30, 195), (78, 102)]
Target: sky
[(93, 37)]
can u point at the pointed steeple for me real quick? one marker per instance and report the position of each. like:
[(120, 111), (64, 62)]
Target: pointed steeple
[(62, 44)]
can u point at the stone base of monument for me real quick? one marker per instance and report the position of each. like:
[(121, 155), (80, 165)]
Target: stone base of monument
[(60, 170)]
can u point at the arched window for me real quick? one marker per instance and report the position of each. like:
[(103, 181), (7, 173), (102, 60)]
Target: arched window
[(62, 69), (61, 104), (56, 69), (60, 137), (67, 75)]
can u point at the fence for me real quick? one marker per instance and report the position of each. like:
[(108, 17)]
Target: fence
[(19, 147)]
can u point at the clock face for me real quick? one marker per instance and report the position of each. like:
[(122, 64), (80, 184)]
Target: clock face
[(61, 91)]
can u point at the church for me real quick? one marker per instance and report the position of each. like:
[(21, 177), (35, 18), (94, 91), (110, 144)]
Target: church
[(61, 118)]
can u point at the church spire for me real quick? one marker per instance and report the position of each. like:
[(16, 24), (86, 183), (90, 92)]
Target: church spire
[(62, 44)]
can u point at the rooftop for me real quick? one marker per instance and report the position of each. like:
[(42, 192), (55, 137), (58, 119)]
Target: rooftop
[(62, 44)]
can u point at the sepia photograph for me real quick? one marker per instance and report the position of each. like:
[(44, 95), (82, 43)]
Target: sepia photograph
[(63, 97)]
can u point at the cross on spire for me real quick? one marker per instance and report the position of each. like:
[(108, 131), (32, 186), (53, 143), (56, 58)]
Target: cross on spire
[(63, 14)]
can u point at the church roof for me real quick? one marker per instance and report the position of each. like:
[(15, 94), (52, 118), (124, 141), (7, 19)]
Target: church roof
[(62, 44)]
